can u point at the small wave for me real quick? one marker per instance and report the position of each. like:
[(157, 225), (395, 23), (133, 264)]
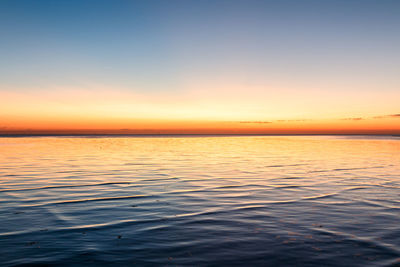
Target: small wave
[(62, 186), (362, 241), (347, 169), (284, 165), (90, 200)]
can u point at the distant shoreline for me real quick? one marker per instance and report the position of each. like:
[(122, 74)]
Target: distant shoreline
[(185, 135)]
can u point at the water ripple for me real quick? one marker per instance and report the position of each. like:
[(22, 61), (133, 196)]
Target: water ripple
[(212, 201)]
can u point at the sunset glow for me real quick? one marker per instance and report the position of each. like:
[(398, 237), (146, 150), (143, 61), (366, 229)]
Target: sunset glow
[(260, 68)]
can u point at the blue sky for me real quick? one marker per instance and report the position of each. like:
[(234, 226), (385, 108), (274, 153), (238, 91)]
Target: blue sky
[(157, 44)]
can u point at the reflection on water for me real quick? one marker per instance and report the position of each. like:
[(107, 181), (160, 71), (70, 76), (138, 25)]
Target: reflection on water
[(321, 201)]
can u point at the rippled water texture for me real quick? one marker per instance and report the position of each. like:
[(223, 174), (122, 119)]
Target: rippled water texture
[(290, 201)]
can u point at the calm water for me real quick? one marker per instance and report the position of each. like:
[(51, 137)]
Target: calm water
[(254, 201)]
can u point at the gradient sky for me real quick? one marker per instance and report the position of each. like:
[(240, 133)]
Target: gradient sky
[(200, 66)]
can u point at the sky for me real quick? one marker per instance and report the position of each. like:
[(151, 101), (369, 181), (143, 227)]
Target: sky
[(200, 66)]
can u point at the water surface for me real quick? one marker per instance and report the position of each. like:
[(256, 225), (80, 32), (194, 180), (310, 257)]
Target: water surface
[(249, 200)]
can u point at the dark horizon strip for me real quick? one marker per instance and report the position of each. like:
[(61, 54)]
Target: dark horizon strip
[(191, 135)]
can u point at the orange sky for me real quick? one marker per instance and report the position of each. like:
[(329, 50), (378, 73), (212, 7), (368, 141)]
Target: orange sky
[(110, 111)]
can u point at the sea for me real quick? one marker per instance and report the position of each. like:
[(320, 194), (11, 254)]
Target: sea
[(200, 201)]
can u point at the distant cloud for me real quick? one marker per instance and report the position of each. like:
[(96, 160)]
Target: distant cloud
[(292, 120), (397, 115), (255, 121), (353, 119), (387, 116)]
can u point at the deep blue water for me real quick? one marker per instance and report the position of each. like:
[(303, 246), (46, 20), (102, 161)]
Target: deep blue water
[(206, 201)]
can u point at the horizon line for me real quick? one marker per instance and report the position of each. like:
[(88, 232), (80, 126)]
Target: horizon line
[(186, 134)]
